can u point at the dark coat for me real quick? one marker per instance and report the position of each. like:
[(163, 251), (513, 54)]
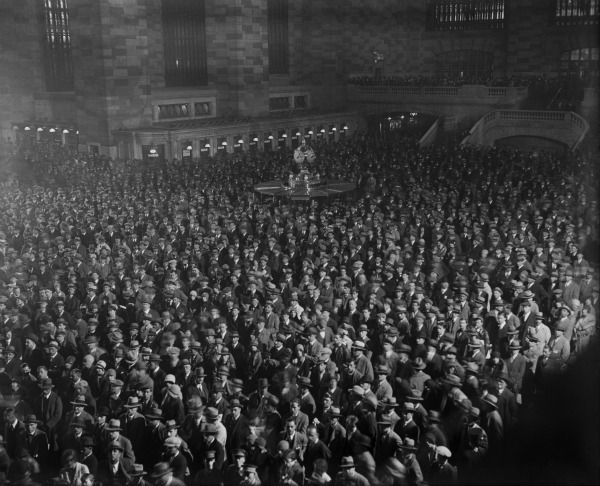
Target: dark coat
[(237, 432)]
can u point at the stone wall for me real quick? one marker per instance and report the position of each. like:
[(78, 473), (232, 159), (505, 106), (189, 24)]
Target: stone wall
[(22, 70), (118, 59)]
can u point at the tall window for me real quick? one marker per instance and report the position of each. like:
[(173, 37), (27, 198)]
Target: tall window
[(184, 42), (465, 14), (577, 11), (59, 68), (582, 64), (466, 66), (277, 22)]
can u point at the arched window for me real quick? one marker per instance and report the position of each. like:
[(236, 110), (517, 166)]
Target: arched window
[(184, 42), (465, 14), (58, 61), (278, 32), (465, 65), (577, 11), (581, 63)]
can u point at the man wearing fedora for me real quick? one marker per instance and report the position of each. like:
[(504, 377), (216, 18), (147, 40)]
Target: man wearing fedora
[(49, 409), (347, 476), (115, 470), (115, 437), (296, 439), (210, 443), (87, 455), (516, 366), (36, 440), (174, 457), (362, 363), (493, 426), (154, 437), (388, 442), (78, 413), (237, 427), (134, 425), (406, 426), (137, 474)]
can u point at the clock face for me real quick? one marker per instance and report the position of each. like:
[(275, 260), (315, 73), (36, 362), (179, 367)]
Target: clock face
[(304, 153)]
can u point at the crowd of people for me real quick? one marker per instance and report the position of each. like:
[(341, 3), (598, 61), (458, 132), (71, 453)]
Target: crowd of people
[(439, 80), (161, 324)]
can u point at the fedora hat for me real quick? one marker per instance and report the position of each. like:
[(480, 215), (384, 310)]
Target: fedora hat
[(433, 416), (408, 407), (209, 429), (115, 445), (172, 442), (358, 345), (78, 422), (154, 414), (408, 444), (452, 380), (385, 420), (113, 425), (515, 345), (334, 412), (171, 424), (159, 470), (137, 470), (79, 402), (304, 381), (370, 400), (133, 402), (472, 368), (382, 369), (31, 419), (46, 384), (389, 402), (419, 364), (212, 414), (491, 400)]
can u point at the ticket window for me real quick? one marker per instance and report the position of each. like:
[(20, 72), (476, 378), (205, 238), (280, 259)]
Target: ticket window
[(296, 137), (253, 142), (308, 134), (282, 139), (187, 151), (332, 132), (238, 144), (268, 142), (343, 131), (205, 149), (153, 153), (222, 145)]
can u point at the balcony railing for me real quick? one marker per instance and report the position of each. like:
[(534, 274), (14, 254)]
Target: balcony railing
[(564, 126)]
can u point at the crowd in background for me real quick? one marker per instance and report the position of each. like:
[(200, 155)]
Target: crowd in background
[(438, 80), (163, 324)]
